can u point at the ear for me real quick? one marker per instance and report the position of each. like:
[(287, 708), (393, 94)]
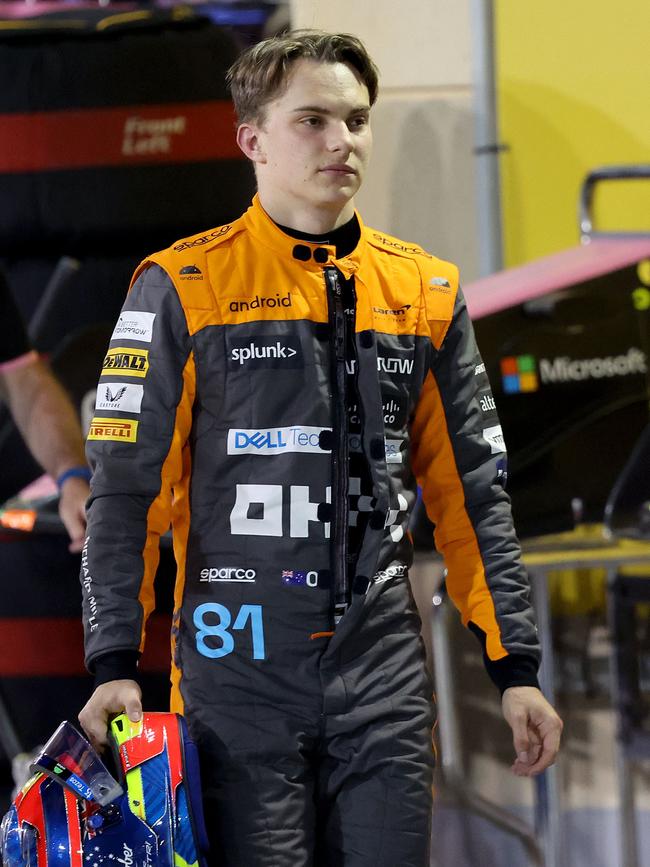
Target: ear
[(249, 140)]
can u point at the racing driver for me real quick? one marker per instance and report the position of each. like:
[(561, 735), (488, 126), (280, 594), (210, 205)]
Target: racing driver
[(276, 389)]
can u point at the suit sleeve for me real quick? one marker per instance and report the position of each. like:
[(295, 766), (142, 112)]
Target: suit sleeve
[(136, 447), (459, 460)]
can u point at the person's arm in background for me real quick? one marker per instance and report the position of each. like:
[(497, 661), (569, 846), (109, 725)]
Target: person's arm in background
[(49, 425), (44, 415)]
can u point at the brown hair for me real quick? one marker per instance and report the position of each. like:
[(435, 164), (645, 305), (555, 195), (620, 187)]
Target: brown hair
[(261, 72)]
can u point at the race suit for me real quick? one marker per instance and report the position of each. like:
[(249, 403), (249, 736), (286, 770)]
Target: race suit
[(224, 409)]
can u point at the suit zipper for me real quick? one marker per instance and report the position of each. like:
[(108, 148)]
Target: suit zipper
[(340, 451)]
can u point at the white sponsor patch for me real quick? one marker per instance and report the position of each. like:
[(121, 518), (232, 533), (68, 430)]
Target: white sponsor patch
[(123, 396), (393, 451), (494, 435), (397, 571), (275, 440), (393, 448), (228, 574), (134, 325)]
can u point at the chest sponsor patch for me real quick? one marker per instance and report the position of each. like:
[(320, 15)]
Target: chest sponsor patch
[(276, 440), (250, 353), (114, 429), (134, 325), (129, 362), (122, 396), (494, 435)]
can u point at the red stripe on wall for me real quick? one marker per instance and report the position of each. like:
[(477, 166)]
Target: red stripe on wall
[(129, 135), (53, 646)]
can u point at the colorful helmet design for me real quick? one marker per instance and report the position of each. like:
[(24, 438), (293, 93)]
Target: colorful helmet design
[(73, 813)]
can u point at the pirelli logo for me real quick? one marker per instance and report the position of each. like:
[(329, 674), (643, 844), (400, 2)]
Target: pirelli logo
[(133, 362), (120, 430)]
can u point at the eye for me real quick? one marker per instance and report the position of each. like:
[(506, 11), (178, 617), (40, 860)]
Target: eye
[(312, 120), (358, 122)]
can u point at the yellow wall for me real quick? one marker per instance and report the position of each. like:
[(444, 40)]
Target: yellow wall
[(573, 83)]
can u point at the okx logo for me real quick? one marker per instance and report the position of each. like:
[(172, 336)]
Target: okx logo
[(519, 373)]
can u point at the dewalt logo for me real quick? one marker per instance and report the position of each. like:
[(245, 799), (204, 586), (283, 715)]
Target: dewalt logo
[(120, 430), (132, 362)]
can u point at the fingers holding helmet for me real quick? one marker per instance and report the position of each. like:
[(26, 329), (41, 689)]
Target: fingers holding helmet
[(108, 699)]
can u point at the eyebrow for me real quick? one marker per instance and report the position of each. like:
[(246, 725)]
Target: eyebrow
[(318, 109)]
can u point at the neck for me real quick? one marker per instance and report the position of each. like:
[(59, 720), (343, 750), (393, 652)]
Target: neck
[(312, 220)]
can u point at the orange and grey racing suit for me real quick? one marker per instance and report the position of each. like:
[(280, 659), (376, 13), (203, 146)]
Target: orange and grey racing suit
[(247, 369)]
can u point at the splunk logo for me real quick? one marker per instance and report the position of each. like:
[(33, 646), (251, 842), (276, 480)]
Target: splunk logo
[(262, 352), (522, 373)]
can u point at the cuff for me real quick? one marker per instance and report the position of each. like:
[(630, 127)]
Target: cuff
[(117, 665), (516, 669)]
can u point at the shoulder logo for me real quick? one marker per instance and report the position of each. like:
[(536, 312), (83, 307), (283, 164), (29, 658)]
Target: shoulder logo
[(191, 272), (134, 325), (132, 362), (439, 284), (204, 239), (123, 396), (403, 248), (113, 429)]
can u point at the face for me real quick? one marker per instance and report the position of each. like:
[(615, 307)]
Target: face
[(313, 145)]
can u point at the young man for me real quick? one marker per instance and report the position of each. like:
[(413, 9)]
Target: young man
[(300, 374)]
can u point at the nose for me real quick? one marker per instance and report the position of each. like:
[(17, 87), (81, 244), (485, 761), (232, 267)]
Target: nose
[(340, 138)]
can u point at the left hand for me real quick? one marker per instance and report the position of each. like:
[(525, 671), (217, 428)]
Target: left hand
[(72, 509), (536, 729)]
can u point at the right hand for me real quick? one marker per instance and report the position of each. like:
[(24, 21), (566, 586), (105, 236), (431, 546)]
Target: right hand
[(113, 697)]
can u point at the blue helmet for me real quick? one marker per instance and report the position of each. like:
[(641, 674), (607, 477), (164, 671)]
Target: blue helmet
[(74, 813)]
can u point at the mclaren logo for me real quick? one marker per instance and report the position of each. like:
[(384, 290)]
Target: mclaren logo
[(398, 311)]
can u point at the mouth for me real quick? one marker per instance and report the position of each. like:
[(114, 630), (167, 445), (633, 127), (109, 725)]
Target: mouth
[(339, 168)]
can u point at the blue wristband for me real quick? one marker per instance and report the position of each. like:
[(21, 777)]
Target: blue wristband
[(73, 473)]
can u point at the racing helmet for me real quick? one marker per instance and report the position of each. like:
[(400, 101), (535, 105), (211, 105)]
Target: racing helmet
[(75, 813)]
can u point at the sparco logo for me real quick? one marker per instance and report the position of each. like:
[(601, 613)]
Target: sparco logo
[(391, 242), (256, 303), (127, 857), (204, 239), (265, 352), (228, 573), (151, 136), (565, 369)]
